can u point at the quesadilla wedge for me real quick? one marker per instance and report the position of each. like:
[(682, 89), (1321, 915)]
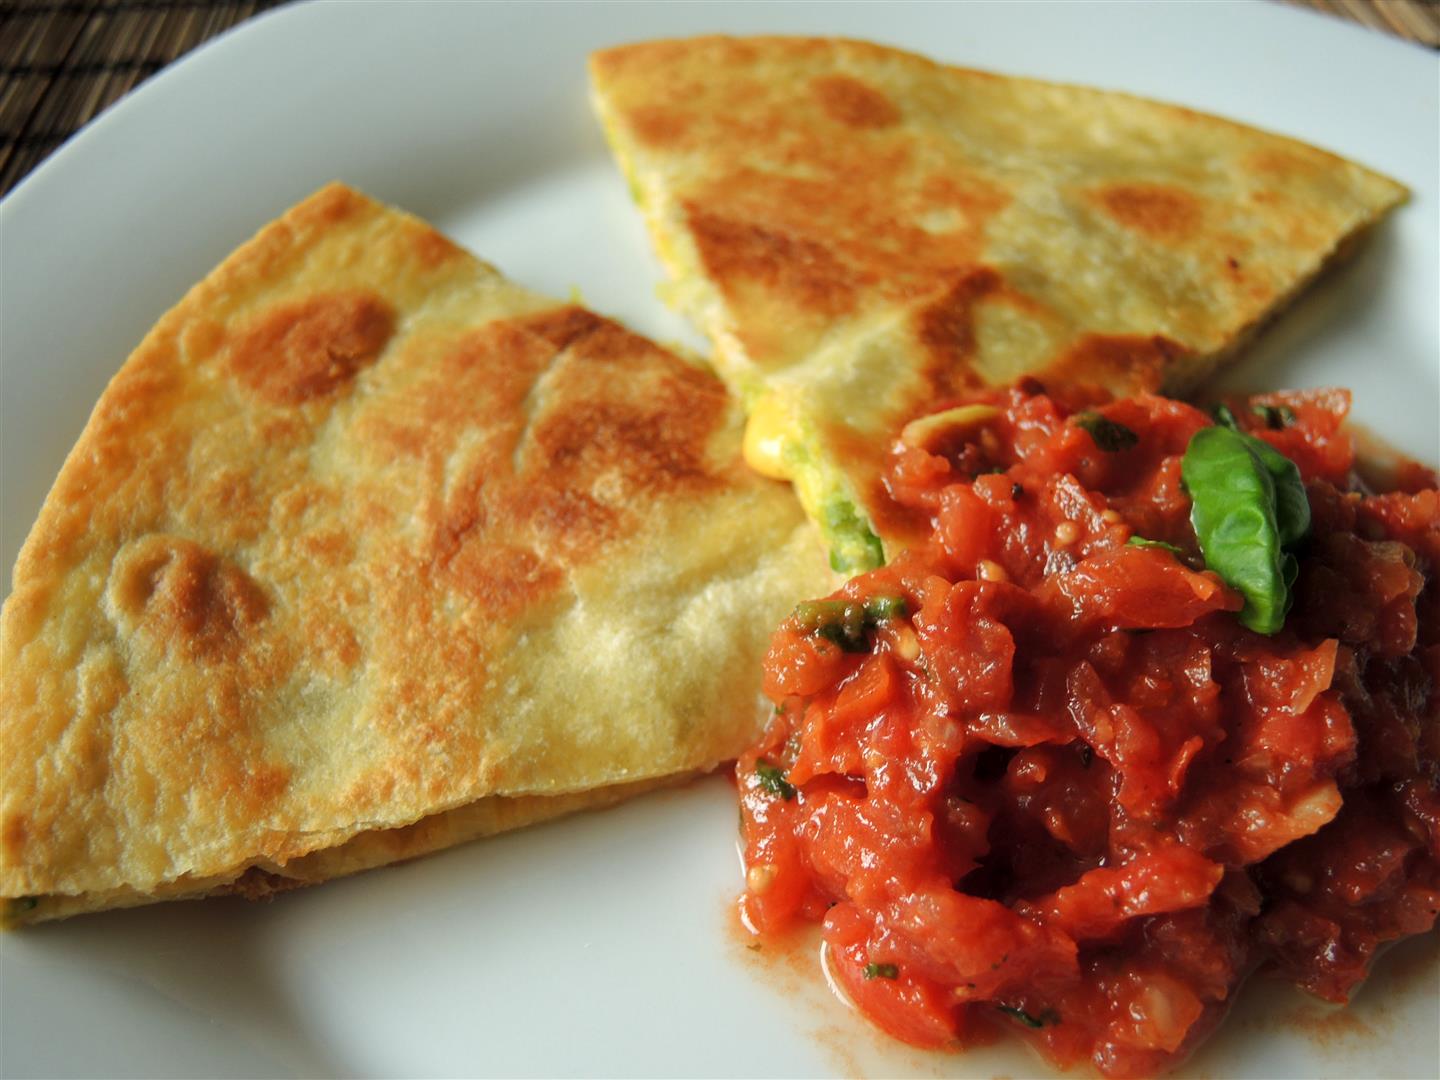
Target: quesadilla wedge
[(865, 234), (366, 551)]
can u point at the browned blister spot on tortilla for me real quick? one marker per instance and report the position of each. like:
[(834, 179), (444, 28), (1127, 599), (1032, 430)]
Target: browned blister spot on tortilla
[(1157, 211), (14, 834), (374, 787), (479, 384), (1122, 363), (804, 272), (574, 461), (1284, 162), (238, 779), (946, 330), (573, 524), (542, 460), (335, 643), (311, 349), (866, 460), (329, 547), (330, 206), (592, 339), (464, 513), (657, 125), (972, 195), (561, 327), (503, 578), (433, 248), (652, 445), (185, 597), (653, 441), (854, 103), (202, 338), (228, 496), (264, 783), (562, 463)]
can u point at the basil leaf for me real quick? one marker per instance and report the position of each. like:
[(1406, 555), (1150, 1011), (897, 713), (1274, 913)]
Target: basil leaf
[(1246, 508), (1292, 505), (881, 971)]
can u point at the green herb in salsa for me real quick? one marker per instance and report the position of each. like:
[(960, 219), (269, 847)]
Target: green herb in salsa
[(1141, 541), (1109, 436), (1049, 1016), (773, 780), (845, 622), (1276, 417)]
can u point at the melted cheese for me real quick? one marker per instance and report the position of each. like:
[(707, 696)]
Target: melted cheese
[(767, 436)]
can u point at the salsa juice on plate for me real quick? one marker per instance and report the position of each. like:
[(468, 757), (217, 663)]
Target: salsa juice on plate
[(1041, 771)]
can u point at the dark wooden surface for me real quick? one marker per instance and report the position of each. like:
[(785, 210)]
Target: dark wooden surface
[(1417, 20), (63, 61)]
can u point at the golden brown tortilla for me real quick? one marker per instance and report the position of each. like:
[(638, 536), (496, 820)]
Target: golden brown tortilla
[(365, 551), (865, 234)]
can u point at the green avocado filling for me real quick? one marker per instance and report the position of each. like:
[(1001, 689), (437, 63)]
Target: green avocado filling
[(854, 547), (824, 490)]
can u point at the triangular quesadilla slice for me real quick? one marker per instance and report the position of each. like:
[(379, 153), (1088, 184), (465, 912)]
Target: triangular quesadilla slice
[(865, 234), (365, 551)]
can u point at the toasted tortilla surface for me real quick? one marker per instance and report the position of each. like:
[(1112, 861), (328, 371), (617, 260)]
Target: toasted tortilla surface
[(365, 551), (866, 234)]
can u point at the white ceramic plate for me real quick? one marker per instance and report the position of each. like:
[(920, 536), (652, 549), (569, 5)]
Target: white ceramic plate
[(602, 944)]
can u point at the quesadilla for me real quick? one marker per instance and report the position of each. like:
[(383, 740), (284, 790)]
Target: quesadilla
[(865, 234), (366, 551)]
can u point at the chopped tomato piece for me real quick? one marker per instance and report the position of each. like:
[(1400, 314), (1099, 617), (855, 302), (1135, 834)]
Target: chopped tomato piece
[(1170, 878)]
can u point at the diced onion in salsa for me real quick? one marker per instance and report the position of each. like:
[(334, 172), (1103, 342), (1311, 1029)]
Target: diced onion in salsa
[(1036, 772)]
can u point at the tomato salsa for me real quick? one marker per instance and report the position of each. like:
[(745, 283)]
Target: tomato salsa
[(1043, 771)]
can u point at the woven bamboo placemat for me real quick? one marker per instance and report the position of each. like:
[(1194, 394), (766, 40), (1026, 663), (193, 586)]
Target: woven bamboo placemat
[(62, 62)]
